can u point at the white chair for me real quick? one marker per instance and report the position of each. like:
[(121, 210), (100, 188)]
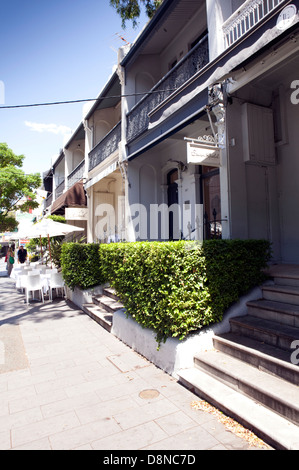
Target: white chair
[(16, 272), (51, 270), (33, 283), (56, 282), (34, 271), (21, 281)]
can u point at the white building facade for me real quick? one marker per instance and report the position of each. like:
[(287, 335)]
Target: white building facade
[(194, 135)]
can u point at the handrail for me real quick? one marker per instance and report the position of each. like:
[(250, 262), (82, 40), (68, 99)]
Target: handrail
[(138, 116), (77, 174), (246, 17), (105, 147)]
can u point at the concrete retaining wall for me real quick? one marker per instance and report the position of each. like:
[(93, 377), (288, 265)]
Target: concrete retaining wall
[(80, 297), (174, 354)]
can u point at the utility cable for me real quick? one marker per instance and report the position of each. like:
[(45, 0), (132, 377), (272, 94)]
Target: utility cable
[(85, 100)]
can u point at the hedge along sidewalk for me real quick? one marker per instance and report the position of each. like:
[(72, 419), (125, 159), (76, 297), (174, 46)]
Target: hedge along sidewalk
[(172, 288)]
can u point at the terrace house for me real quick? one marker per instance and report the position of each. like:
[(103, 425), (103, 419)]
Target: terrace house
[(209, 123), (194, 134), (104, 182), (64, 182)]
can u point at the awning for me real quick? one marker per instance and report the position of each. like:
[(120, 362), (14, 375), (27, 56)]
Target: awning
[(73, 197)]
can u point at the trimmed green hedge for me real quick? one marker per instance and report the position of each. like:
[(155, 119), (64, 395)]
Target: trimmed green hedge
[(80, 265), (172, 287)]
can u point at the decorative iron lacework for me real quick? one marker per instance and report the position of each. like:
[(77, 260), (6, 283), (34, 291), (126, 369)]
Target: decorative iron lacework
[(106, 147), (48, 201), (76, 175), (138, 117), (246, 17), (59, 189)]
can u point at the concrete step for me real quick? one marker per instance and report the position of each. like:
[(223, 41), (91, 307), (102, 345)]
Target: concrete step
[(282, 293), (273, 392), (280, 312), (269, 426), (100, 315), (273, 333), (286, 281), (108, 303), (110, 292), (284, 274), (263, 356), (103, 307)]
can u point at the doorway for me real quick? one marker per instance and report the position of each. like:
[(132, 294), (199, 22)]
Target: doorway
[(211, 200), (172, 200)]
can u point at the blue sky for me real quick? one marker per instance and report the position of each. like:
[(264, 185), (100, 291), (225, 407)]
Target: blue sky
[(50, 51)]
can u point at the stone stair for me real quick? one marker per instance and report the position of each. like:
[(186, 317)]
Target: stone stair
[(102, 308), (249, 375)]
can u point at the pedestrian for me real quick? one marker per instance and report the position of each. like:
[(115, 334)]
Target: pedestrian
[(10, 259), (22, 254)]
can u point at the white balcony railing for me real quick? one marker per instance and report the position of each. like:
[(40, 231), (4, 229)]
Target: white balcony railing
[(246, 17)]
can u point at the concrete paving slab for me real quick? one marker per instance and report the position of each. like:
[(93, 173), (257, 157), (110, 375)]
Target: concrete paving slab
[(67, 383)]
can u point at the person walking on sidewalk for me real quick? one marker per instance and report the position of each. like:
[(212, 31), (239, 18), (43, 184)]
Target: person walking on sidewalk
[(22, 254), (10, 259)]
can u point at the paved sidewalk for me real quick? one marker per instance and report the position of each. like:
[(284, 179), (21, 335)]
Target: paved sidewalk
[(66, 383)]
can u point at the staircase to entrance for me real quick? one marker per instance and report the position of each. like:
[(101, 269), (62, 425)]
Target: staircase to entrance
[(103, 307), (251, 374)]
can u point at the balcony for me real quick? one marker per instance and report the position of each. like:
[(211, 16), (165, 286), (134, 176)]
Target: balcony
[(48, 201), (76, 175), (105, 148), (246, 17), (138, 117), (60, 188)]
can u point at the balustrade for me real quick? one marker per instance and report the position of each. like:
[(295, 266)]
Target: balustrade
[(105, 147), (76, 175), (246, 17), (138, 117), (59, 189)]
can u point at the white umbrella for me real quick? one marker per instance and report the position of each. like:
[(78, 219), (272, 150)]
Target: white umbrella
[(48, 228)]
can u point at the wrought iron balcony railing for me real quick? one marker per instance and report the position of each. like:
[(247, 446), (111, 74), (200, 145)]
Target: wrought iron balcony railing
[(105, 148), (48, 201), (138, 117), (246, 17), (60, 188), (76, 175)]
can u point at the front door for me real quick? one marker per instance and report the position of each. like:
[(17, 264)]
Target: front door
[(172, 198), (210, 189)]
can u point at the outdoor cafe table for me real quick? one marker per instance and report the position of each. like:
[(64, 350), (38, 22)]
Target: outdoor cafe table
[(45, 277)]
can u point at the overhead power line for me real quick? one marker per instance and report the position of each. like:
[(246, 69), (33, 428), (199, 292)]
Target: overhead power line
[(53, 103)]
